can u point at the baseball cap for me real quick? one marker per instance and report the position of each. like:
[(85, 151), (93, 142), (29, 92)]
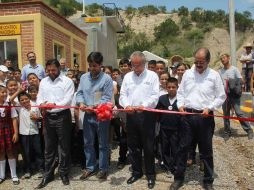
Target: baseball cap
[(3, 68), (175, 65)]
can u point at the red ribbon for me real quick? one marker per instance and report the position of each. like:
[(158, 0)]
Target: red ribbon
[(105, 112)]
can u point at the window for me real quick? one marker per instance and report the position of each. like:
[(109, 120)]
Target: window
[(58, 51), (8, 50), (76, 58)]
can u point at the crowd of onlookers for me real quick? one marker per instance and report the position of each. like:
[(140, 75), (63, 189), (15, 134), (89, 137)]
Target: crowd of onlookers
[(20, 88)]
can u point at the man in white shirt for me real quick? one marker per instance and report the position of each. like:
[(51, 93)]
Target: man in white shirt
[(56, 89), (247, 60), (140, 89), (200, 92)]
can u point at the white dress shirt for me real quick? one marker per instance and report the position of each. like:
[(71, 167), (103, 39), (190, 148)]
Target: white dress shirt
[(171, 101), (26, 125), (3, 113), (200, 91), (245, 57), (60, 91), (142, 90)]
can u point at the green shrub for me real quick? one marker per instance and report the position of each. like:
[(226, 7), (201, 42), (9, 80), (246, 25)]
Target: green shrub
[(148, 10), (195, 34), (185, 23), (166, 29), (183, 11)]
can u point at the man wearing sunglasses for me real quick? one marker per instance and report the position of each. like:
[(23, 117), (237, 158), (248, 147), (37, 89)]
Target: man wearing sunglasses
[(200, 93)]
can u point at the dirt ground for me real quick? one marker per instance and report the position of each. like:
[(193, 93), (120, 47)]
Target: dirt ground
[(234, 169)]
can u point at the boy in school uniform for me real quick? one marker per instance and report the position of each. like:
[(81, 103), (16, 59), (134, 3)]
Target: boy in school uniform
[(29, 134), (169, 124)]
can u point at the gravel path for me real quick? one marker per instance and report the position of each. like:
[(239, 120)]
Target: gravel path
[(234, 169)]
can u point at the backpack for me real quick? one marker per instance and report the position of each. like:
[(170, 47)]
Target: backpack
[(234, 88)]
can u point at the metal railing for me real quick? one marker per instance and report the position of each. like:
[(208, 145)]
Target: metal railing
[(110, 9)]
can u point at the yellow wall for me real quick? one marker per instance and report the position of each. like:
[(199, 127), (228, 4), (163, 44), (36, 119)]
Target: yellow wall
[(37, 34), (39, 45)]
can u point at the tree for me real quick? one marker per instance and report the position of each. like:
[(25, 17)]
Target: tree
[(196, 14), (148, 10), (65, 9), (242, 22), (197, 35), (185, 23), (247, 14), (94, 9), (130, 10), (162, 9), (166, 29), (183, 11), (138, 42)]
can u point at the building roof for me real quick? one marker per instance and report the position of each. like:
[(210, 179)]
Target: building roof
[(40, 8)]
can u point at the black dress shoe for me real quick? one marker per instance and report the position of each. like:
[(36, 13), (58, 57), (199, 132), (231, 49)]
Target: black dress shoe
[(44, 182), (176, 185), (65, 180), (208, 186), (151, 183), (133, 178)]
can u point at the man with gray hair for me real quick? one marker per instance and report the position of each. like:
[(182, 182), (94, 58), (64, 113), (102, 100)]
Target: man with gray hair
[(140, 89), (63, 67)]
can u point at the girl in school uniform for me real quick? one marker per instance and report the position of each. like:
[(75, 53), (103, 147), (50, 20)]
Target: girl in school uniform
[(8, 137)]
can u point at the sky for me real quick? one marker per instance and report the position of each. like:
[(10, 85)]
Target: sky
[(240, 5)]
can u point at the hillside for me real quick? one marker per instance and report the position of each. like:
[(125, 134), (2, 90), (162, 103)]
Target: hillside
[(178, 32), (217, 39)]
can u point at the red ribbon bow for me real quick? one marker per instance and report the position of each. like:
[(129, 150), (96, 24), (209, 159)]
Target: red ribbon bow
[(104, 112)]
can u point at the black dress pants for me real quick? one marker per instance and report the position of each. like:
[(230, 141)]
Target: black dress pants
[(141, 135), (32, 144), (203, 129), (58, 128), (169, 139)]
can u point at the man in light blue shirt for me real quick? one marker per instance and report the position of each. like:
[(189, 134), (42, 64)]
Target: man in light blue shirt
[(32, 67), (95, 88)]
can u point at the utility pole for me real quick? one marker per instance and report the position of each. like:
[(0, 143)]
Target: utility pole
[(232, 32), (84, 9)]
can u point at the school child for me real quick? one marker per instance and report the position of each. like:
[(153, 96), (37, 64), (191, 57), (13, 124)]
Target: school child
[(8, 137), (29, 134), (160, 67), (181, 68), (17, 75), (124, 66), (33, 91), (151, 65), (115, 74), (33, 79), (164, 76), (169, 125)]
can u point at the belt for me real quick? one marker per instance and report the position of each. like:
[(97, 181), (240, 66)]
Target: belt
[(56, 114), (190, 110), (193, 110)]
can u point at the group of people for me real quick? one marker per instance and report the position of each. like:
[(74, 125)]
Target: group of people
[(35, 111)]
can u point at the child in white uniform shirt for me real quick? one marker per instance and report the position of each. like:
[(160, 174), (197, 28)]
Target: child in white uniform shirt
[(8, 137), (29, 133)]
